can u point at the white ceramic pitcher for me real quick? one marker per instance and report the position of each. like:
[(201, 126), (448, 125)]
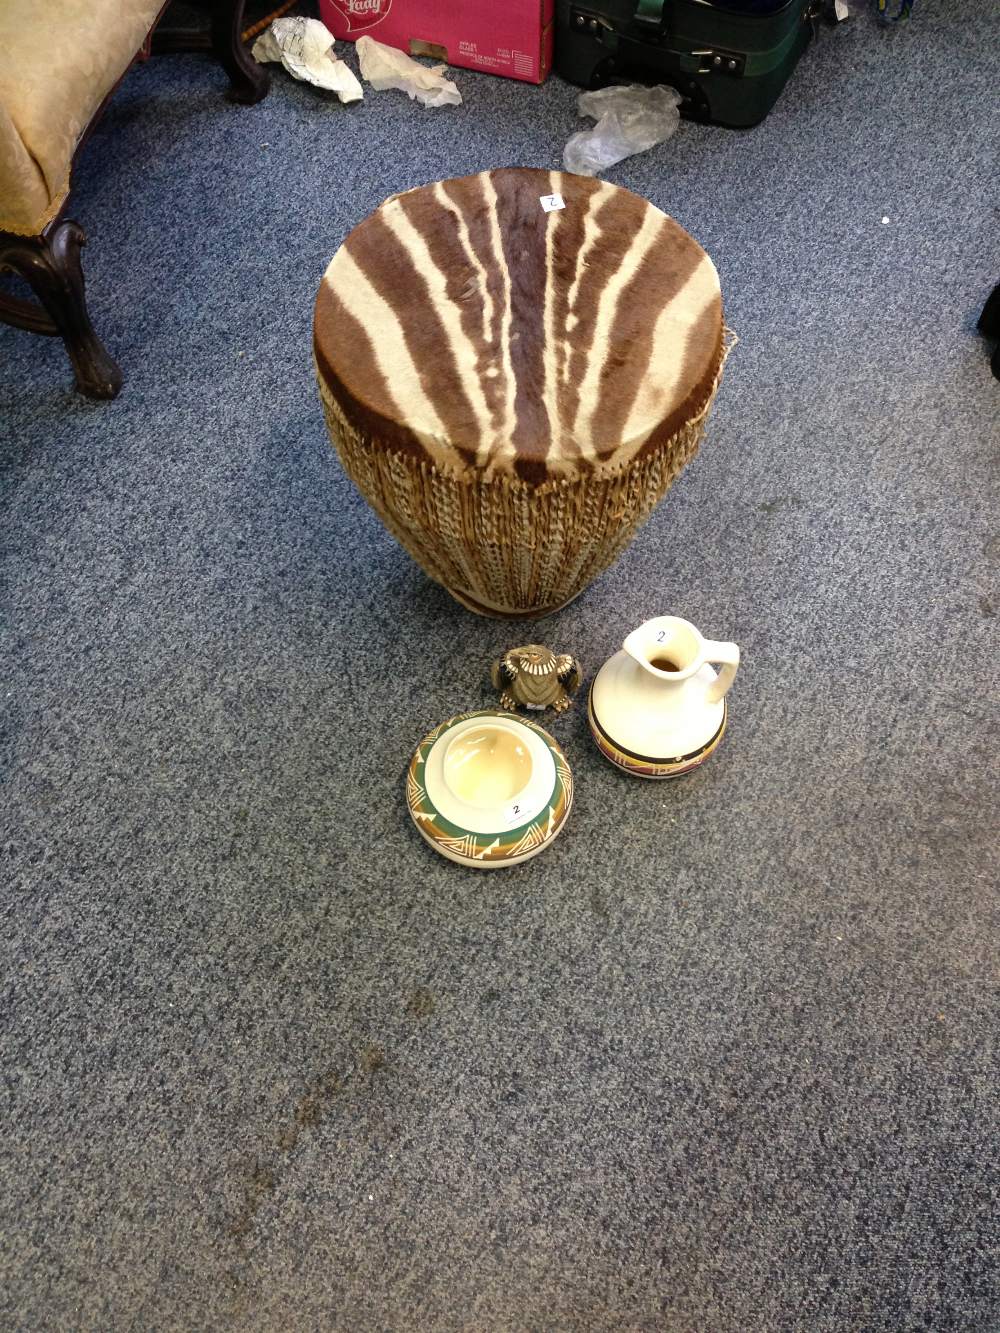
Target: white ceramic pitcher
[(658, 708)]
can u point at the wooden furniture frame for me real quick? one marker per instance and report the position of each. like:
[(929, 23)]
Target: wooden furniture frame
[(50, 262)]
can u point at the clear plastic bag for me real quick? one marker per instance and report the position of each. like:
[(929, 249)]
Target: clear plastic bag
[(629, 120)]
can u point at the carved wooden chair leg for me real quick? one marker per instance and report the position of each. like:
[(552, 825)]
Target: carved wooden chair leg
[(50, 263), (249, 81)]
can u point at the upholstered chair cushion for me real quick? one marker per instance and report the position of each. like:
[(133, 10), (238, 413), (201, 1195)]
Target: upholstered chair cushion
[(59, 59)]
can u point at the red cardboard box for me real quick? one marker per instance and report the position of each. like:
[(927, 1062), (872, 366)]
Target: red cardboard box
[(509, 37)]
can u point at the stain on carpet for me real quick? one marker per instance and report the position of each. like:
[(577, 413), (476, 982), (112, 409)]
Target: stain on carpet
[(779, 502), (260, 1183), (372, 1060), (262, 1177), (421, 1003), (599, 904)]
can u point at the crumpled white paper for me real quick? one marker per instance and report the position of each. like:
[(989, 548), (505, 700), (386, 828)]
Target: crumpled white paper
[(385, 67), (629, 120), (305, 48)]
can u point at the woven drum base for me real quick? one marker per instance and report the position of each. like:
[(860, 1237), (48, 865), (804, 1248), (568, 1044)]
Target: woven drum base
[(494, 613), (502, 548), (514, 367)]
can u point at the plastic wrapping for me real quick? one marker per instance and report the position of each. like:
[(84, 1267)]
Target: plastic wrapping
[(629, 120)]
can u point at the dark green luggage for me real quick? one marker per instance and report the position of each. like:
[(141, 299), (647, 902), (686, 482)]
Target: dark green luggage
[(729, 59)]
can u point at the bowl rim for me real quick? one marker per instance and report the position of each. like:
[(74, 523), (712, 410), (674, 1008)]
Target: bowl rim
[(471, 817)]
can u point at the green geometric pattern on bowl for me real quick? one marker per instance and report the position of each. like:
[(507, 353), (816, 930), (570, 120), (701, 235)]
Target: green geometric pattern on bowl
[(494, 846)]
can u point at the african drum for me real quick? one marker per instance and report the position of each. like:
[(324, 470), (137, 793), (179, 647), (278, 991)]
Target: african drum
[(514, 367)]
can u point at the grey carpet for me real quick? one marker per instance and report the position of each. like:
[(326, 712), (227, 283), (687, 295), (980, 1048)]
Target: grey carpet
[(724, 1059)]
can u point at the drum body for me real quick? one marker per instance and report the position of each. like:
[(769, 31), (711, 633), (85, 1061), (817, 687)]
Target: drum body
[(514, 367)]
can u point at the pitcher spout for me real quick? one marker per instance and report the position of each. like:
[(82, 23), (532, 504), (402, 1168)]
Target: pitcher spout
[(666, 647)]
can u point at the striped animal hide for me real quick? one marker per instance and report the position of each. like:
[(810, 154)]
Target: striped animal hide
[(465, 326)]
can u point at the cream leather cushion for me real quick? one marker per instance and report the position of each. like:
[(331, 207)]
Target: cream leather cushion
[(59, 59)]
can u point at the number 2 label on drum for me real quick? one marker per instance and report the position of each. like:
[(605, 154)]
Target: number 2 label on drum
[(661, 636)]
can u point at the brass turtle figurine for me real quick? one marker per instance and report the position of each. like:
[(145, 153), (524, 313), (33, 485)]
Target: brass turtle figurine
[(536, 677)]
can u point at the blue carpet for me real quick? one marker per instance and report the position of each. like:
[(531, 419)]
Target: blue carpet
[(724, 1059)]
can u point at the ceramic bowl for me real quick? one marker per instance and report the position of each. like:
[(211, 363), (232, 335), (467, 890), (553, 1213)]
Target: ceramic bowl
[(488, 789)]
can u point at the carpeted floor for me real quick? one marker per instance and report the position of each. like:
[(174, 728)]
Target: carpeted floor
[(724, 1059)]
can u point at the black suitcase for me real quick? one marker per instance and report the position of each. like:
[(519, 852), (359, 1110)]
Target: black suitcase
[(729, 59)]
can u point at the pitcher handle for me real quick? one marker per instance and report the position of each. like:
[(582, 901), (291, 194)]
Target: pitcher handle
[(726, 655)]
